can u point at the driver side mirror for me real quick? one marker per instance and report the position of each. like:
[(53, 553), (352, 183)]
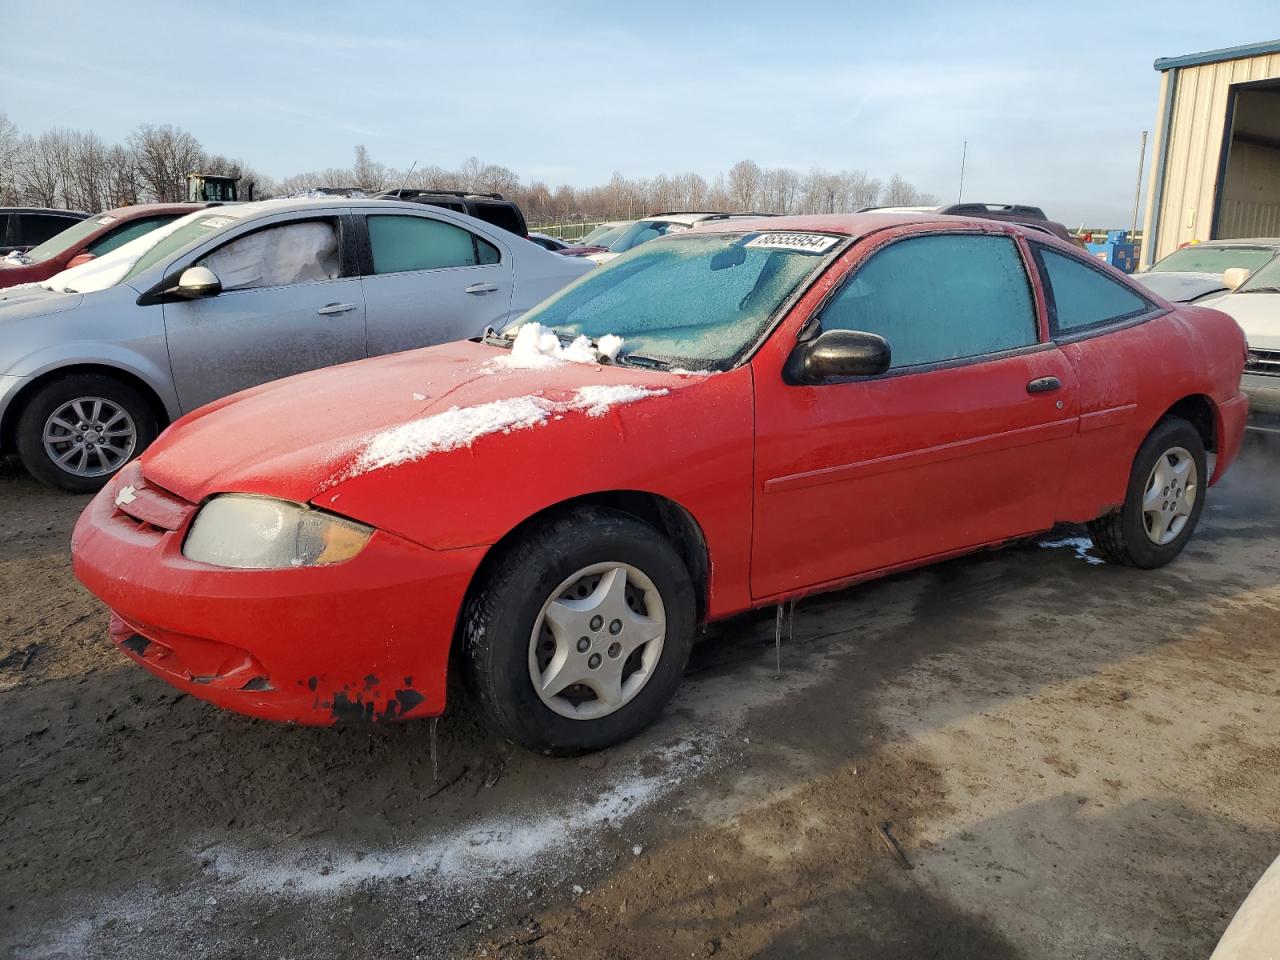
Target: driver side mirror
[(196, 283), (1234, 276), (838, 353)]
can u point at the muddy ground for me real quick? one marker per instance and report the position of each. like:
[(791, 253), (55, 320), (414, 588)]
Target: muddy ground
[(1076, 760)]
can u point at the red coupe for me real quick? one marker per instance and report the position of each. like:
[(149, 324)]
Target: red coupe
[(795, 405), (87, 239)]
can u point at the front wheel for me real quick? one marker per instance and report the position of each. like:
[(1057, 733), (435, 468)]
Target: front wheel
[(77, 431), (1163, 502), (580, 632)]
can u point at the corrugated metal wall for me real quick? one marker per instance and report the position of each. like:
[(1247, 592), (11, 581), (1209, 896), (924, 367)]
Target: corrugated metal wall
[(1190, 173)]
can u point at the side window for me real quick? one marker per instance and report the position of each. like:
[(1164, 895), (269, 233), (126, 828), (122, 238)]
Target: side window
[(404, 242), (939, 298), (1081, 297), (36, 228), (122, 235), (300, 252)]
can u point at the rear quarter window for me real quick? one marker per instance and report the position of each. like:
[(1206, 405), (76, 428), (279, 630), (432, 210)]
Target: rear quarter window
[(1081, 297)]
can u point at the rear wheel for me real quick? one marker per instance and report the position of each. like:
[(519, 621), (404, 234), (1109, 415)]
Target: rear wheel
[(1163, 502), (580, 633), (77, 431)]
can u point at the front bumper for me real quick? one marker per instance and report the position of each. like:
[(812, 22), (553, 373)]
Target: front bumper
[(365, 640), (1264, 401)]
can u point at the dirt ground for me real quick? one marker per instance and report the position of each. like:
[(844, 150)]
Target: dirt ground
[(1075, 760)]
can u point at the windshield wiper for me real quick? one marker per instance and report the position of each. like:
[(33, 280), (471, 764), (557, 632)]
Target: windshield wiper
[(644, 360), (1260, 290)]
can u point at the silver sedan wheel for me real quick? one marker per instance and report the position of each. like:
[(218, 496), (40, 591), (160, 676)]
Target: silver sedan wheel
[(90, 437), (597, 641), (1170, 495)]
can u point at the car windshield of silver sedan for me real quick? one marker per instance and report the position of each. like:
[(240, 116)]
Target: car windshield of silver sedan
[(1208, 258), (698, 300), (1266, 280)]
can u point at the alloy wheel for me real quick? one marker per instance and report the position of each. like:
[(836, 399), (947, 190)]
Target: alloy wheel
[(90, 437)]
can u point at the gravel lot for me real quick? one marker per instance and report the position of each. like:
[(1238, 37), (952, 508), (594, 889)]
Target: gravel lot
[(1076, 760)]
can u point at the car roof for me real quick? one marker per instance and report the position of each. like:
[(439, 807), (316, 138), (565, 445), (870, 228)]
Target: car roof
[(1237, 242), (66, 213), (150, 209), (689, 217), (853, 224)]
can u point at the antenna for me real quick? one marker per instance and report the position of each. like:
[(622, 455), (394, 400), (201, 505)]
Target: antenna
[(407, 175), (964, 152)]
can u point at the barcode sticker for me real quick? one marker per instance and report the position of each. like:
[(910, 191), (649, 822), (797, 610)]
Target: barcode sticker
[(802, 242)]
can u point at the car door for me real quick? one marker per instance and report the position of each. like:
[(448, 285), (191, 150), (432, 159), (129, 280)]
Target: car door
[(431, 280), (962, 442), (1097, 320), (290, 302)]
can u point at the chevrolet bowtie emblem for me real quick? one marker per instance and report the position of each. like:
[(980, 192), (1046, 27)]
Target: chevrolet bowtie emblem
[(126, 496)]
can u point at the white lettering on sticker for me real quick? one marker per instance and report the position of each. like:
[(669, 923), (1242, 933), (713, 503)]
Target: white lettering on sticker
[(804, 242)]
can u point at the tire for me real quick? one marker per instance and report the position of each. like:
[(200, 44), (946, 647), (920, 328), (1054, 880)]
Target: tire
[(94, 392), (500, 655), (1125, 536)]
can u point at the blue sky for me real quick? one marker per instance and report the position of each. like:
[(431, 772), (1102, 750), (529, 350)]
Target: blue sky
[(1052, 97)]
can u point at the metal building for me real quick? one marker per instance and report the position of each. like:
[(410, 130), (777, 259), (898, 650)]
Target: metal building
[(1215, 170)]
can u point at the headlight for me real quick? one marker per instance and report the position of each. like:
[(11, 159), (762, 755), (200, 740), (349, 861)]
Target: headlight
[(259, 533)]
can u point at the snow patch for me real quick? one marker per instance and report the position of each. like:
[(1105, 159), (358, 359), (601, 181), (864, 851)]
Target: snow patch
[(461, 426), (1081, 546), (537, 346), (490, 849)]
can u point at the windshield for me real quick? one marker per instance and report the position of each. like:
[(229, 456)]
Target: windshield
[(596, 237), (699, 301), (642, 231), (66, 239), (1265, 280), (1206, 258)]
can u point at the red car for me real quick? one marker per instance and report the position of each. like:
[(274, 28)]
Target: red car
[(797, 404), (89, 238)]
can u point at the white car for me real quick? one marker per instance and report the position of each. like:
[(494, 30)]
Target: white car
[(1255, 305), (1255, 929), (651, 228)]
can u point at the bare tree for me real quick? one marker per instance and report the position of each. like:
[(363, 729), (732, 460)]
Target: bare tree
[(899, 193), (164, 156), (744, 185)]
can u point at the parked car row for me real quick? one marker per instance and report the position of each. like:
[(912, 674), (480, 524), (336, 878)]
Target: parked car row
[(733, 415)]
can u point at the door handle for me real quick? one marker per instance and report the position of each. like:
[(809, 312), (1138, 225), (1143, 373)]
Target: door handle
[(480, 288), (329, 309), (1044, 385)]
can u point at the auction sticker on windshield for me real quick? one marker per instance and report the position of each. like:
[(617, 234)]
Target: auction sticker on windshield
[(805, 242), (216, 222)]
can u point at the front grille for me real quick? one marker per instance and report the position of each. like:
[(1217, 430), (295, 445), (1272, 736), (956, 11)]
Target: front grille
[(1265, 362)]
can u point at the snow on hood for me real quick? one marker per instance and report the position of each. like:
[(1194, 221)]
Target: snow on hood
[(461, 426), (537, 346)]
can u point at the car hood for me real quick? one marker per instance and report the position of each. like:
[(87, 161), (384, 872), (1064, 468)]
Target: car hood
[(1258, 315), (29, 301), (310, 434), (1181, 287)]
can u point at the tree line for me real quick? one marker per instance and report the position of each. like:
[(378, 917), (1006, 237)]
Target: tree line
[(77, 169)]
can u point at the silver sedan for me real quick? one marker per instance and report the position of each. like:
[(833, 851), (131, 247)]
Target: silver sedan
[(97, 360)]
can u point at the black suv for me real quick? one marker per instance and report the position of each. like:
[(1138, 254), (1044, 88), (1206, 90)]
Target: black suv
[(489, 207), (22, 228)]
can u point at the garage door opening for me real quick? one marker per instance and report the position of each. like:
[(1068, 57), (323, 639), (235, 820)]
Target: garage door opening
[(1248, 202)]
